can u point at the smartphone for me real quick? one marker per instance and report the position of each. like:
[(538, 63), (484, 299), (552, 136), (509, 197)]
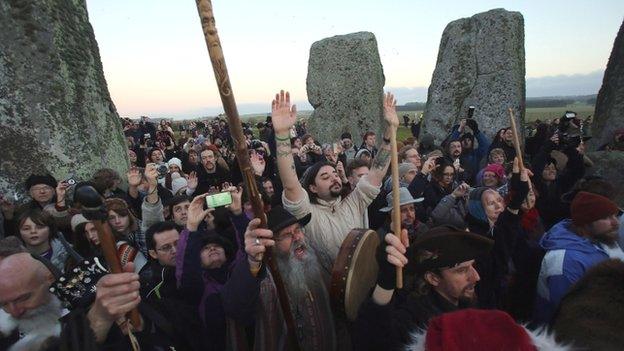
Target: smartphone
[(470, 111), (219, 199)]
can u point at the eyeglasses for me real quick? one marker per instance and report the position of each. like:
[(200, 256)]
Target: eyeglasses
[(41, 188), (167, 248)]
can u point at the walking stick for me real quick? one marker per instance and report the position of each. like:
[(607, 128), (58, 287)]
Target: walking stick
[(204, 7), (516, 139), (396, 201), (94, 210)]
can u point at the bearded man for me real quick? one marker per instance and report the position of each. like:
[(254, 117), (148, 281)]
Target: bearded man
[(442, 279), (250, 294), (573, 246)]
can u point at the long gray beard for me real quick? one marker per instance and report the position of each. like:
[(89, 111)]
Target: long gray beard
[(38, 325), (299, 276)]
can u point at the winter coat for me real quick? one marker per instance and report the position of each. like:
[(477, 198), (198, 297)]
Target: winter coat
[(450, 211), (389, 327), (568, 256)]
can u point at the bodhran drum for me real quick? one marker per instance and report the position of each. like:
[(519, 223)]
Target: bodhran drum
[(354, 272)]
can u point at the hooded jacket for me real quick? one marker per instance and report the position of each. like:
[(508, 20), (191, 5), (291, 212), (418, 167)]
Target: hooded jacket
[(568, 257)]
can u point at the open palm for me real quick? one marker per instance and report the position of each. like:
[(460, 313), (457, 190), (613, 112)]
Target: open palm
[(283, 114)]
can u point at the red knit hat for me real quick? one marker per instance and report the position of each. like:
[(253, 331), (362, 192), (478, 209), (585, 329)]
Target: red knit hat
[(497, 169), (589, 207), (477, 330)]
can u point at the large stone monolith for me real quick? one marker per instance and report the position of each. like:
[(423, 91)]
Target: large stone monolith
[(480, 63), (56, 114), (609, 114), (609, 165), (345, 86)]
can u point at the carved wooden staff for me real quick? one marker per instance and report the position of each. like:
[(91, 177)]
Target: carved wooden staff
[(396, 201), (204, 7), (516, 139)]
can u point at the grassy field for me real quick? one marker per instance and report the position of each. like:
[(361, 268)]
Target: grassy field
[(532, 114)]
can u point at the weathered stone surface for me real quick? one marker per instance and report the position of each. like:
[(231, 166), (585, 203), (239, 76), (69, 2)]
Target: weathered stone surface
[(610, 165), (480, 63), (609, 114), (345, 86), (56, 114)]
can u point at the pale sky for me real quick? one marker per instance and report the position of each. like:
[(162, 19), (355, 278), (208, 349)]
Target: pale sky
[(156, 62)]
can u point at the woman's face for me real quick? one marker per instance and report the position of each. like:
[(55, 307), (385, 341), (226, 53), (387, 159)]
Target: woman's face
[(157, 157), (174, 168), (41, 193), (298, 143), (529, 202), (34, 234), (447, 176), (92, 234), (549, 173), (132, 156), (489, 179), (493, 204), (212, 256), (119, 223), (498, 158), (414, 157)]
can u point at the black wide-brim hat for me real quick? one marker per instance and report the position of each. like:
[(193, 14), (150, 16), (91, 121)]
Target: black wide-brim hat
[(447, 246), (278, 218)]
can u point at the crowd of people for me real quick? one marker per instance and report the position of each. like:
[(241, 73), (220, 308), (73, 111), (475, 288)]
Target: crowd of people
[(489, 239)]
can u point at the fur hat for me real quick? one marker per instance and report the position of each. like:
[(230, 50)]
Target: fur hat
[(35, 179), (472, 329), (588, 207)]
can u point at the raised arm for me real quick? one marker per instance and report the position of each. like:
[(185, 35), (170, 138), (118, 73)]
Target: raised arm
[(284, 116), (382, 159)]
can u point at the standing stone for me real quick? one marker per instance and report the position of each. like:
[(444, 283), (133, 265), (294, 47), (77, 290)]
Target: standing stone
[(480, 63), (56, 114), (609, 114), (609, 165), (345, 87)]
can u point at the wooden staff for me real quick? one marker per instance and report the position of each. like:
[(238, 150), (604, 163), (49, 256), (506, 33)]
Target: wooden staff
[(94, 210), (396, 201), (516, 139), (204, 8)]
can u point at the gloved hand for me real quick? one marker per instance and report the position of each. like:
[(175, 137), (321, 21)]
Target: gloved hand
[(390, 254), (519, 190)]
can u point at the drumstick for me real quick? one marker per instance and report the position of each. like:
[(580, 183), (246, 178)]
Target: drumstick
[(396, 203), (516, 140)]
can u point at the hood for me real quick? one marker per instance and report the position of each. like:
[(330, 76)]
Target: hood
[(561, 237)]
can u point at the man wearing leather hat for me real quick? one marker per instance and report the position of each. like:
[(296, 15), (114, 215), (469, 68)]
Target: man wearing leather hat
[(441, 261)]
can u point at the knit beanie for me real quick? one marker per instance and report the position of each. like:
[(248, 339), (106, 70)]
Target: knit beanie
[(77, 220), (589, 207), (175, 161), (475, 206), (497, 169), (35, 179), (177, 182)]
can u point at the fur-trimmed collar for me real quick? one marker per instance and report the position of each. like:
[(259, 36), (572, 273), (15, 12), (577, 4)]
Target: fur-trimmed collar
[(542, 339)]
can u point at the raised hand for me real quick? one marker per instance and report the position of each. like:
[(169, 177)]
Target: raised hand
[(256, 242), (341, 171), (192, 181), (461, 190), (430, 165), (134, 177), (196, 212), (389, 107), (283, 114), (61, 190), (151, 174), (116, 295), (236, 207), (257, 163)]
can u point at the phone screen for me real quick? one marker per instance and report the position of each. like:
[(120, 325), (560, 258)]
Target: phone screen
[(219, 199)]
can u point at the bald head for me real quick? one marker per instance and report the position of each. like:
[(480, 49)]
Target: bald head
[(24, 283)]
